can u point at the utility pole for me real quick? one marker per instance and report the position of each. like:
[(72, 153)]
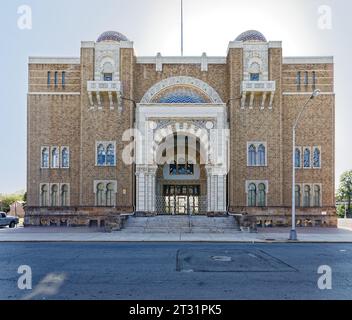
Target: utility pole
[(181, 28)]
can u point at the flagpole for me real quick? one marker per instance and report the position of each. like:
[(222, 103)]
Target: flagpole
[(182, 28)]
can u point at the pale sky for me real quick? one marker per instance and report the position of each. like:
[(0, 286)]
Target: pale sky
[(58, 27)]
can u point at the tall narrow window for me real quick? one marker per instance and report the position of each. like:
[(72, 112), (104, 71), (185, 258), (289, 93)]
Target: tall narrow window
[(44, 195), (63, 79), (261, 155), (45, 158), (262, 195), (298, 79), (252, 155), (298, 158), (64, 195), (317, 196), (298, 196), (65, 158), (110, 195), (252, 195), (314, 76), (49, 79), (316, 158), (306, 78), (55, 157), (101, 155), (110, 155), (307, 158), (56, 79), (100, 194), (53, 195), (307, 196)]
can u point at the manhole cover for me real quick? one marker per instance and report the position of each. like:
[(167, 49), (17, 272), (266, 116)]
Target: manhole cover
[(222, 258), (236, 260)]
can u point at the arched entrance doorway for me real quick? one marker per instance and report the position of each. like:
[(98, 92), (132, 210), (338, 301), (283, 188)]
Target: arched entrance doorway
[(181, 149), (181, 178)]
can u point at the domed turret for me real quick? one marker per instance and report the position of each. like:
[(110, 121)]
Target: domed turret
[(251, 35), (112, 36)]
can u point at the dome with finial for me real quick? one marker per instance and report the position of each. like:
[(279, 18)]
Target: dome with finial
[(112, 36), (251, 35)]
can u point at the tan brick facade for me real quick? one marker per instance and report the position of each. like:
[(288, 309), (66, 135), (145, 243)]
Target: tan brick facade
[(61, 116)]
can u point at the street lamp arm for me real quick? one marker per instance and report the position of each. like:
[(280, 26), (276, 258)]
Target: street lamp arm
[(301, 113)]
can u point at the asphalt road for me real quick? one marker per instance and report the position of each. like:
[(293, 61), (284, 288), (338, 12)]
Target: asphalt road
[(175, 271)]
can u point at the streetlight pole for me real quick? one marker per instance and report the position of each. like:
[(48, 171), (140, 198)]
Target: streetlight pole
[(293, 233)]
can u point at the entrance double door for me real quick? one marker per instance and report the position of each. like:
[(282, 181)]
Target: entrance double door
[(182, 199)]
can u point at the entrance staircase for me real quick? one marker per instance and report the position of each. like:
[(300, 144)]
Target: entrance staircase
[(181, 224)]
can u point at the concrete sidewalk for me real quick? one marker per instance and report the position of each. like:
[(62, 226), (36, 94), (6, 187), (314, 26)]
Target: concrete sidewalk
[(309, 235)]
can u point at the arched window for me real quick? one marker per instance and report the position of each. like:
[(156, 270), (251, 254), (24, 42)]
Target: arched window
[(44, 196), (49, 79), (64, 195), (110, 195), (45, 158), (307, 158), (53, 195), (298, 158), (316, 158), (101, 155), (65, 158), (261, 155), (298, 196), (252, 155), (317, 196), (252, 195), (307, 196), (55, 157), (100, 194), (110, 155), (262, 195)]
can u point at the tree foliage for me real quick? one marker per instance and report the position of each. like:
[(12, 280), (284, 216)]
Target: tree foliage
[(7, 200), (344, 192)]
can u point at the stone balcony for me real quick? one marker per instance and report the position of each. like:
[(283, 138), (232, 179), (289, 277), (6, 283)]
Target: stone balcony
[(252, 88), (113, 89)]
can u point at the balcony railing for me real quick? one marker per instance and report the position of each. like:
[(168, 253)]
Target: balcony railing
[(258, 86), (252, 88), (104, 86), (112, 88)]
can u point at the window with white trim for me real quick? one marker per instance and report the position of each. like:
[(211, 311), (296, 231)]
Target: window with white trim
[(298, 158), (256, 193), (105, 153), (316, 158), (65, 157), (256, 154), (55, 157), (306, 158), (105, 193), (44, 157)]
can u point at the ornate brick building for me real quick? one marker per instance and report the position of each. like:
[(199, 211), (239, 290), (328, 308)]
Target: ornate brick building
[(112, 133)]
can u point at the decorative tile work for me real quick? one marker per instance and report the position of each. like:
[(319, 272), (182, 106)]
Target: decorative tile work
[(112, 36), (251, 35)]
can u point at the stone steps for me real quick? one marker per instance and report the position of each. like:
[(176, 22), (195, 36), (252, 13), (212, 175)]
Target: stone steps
[(181, 224)]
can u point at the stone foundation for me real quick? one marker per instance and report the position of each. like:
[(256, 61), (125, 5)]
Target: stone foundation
[(74, 217), (281, 216)]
